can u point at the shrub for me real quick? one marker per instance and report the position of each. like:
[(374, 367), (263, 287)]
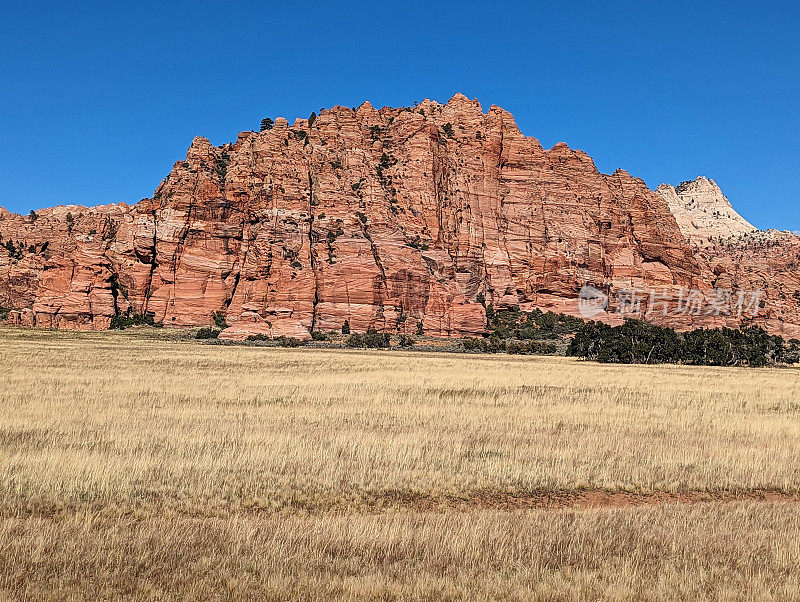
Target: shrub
[(355, 340), (33, 216), (491, 345), (219, 318), (284, 341), (371, 339), (13, 251), (516, 348), (266, 124), (447, 128), (420, 331), (207, 332), (312, 118), (123, 321), (221, 165), (346, 327), (479, 345), (317, 335), (790, 353), (544, 348), (406, 340), (334, 234), (258, 337)]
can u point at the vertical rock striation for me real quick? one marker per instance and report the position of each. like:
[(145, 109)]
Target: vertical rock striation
[(387, 218)]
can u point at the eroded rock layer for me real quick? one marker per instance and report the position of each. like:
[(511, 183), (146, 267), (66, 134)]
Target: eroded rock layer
[(385, 218), (703, 213)]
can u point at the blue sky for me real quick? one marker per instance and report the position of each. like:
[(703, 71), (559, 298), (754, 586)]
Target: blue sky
[(97, 100)]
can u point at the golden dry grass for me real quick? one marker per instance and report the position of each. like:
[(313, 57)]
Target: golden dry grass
[(738, 551), (147, 466)]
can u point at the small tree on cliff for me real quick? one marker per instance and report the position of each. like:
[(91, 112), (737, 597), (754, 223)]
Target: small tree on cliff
[(219, 318), (266, 124)]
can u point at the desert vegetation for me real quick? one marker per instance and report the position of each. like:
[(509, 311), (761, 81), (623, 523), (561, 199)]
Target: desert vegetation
[(142, 463), (638, 342)]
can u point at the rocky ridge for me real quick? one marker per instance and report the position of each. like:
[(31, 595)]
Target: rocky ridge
[(703, 213), (395, 219)]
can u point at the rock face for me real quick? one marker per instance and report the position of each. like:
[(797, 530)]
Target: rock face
[(736, 256), (385, 218), (765, 261), (703, 213)]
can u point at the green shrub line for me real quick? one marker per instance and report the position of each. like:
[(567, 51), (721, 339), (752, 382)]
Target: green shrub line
[(406, 341), (126, 320), (282, 341), (372, 339), (495, 344), (638, 342), (207, 332), (530, 325), (518, 332)]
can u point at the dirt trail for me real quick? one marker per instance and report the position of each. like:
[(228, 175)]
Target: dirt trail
[(549, 500)]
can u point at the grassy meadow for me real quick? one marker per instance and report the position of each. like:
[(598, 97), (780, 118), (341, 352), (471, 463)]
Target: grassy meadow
[(142, 464)]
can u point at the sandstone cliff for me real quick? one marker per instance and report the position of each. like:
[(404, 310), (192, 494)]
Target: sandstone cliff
[(387, 218), (703, 213)]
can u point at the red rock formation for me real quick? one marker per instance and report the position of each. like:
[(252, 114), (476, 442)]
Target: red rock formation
[(385, 218), (735, 256), (765, 261)]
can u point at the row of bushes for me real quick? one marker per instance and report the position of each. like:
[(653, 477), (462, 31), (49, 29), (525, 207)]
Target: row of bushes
[(495, 344), (529, 325), (281, 341), (123, 321), (633, 342), (207, 332), (371, 339), (638, 342)]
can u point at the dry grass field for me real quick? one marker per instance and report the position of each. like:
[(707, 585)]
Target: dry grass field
[(143, 465)]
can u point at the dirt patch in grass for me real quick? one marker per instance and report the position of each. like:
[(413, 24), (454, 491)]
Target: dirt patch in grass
[(553, 500)]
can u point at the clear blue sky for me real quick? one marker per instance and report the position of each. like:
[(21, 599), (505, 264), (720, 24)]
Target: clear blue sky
[(97, 100)]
